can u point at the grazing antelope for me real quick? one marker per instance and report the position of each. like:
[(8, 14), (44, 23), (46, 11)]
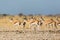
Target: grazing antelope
[(49, 21), (35, 25), (57, 20)]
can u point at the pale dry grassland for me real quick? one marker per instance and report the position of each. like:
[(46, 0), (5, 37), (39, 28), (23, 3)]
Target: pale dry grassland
[(47, 31)]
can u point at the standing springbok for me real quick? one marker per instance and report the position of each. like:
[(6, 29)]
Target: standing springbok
[(48, 21), (57, 20), (35, 25)]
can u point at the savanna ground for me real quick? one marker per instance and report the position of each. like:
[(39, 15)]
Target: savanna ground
[(41, 35)]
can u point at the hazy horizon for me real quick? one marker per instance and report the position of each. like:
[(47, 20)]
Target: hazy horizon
[(30, 6)]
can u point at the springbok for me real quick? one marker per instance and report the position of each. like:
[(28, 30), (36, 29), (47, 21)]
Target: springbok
[(57, 20), (48, 21), (35, 25)]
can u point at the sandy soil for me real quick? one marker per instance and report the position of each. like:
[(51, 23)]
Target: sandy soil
[(42, 35)]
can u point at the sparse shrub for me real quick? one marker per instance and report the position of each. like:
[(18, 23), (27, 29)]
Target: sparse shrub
[(20, 14)]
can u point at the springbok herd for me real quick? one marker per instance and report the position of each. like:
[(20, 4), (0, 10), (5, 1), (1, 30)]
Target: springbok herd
[(35, 22)]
